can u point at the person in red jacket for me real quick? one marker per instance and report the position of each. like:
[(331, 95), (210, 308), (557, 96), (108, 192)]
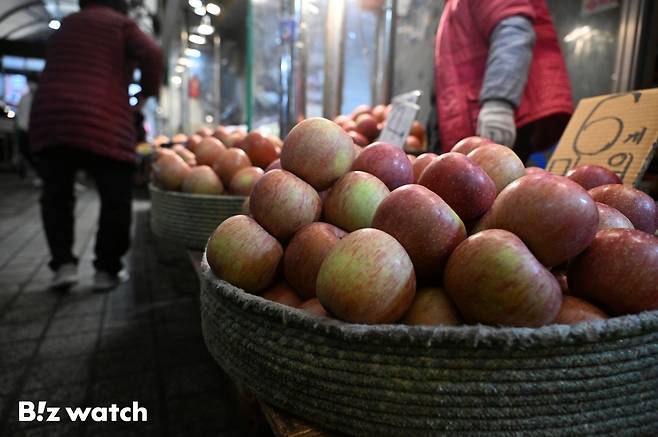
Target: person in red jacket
[(500, 74), (81, 120)]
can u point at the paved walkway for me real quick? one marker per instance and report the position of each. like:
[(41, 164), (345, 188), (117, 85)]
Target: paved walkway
[(141, 342)]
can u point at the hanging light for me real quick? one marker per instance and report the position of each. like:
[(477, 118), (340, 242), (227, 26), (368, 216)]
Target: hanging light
[(192, 53), (195, 3), (54, 24), (196, 39), (176, 80), (205, 28), (213, 9), (200, 11), (179, 69)]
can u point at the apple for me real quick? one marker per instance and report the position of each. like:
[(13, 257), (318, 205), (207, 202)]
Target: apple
[(314, 306), (379, 112), (367, 278), (276, 164), (204, 132), (340, 120), (533, 170), (184, 153), (418, 131), (169, 171), (494, 279), (208, 151), (353, 200), (261, 151), (223, 135), (235, 138), (366, 125), (553, 215), (245, 207), (358, 138), (318, 151), (561, 276), (193, 141), (357, 150), (412, 144), (637, 206), (500, 163), (575, 310), (349, 126), (589, 176), (202, 180), (179, 138), (428, 229), (283, 203), (461, 183), (420, 163), (619, 270), (468, 144), (610, 218), (160, 140), (241, 252), (387, 162), (361, 109), (305, 253), (432, 307), (282, 293), (229, 163), (244, 180), (411, 158)]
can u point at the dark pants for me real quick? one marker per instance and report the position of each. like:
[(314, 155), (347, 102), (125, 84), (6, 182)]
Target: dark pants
[(24, 149), (114, 182)]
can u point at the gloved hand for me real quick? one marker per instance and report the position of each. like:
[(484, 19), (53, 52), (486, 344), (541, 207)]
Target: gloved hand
[(496, 122)]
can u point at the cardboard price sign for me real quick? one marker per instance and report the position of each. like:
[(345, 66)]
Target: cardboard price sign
[(398, 124), (617, 131)]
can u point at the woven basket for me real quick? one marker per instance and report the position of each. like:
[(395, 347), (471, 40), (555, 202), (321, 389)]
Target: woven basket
[(189, 219), (592, 378)]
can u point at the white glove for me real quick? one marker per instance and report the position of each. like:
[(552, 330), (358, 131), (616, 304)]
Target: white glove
[(496, 122)]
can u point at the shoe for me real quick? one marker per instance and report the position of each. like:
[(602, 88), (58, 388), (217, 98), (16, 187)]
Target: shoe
[(65, 276), (108, 281)]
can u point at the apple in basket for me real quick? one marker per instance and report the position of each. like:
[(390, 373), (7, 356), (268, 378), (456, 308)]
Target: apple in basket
[(241, 252), (229, 163), (461, 183), (192, 142), (554, 216), (575, 310), (179, 138), (387, 162), (494, 279), (202, 180), (424, 224), (619, 271), (420, 163), (353, 200), (589, 176), (432, 306), (261, 150), (610, 218), (367, 278), (283, 203), (500, 163), (187, 155), (318, 151), (366, 125), (305, 253), (244, 180), (468, 144), (169, 170), (637, 206), (282, 293), (208, 151), (358, 138), (314, 306)]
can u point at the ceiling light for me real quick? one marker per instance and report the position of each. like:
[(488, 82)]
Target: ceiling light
[(11, 114), (205, 28), (209, 118), (200, 11), (197, 39), (184, 62), (212, 8), (192, 53), (54, 24), (195, 3), (176, 80), (180, 69)]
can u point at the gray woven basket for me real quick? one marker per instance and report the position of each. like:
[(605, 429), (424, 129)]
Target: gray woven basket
[(592, 378), (189, 219)]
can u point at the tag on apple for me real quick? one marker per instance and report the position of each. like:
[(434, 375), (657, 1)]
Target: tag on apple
[(398, 124)]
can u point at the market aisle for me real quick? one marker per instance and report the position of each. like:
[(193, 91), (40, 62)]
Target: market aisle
[(142, 342)]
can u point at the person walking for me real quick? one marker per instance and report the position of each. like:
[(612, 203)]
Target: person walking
[(81, 120)]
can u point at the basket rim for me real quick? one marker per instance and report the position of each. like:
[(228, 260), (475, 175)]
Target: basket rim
[(153, 188), (473, 336)]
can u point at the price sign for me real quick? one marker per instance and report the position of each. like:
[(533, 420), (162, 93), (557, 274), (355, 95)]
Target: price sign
[(403, 113)]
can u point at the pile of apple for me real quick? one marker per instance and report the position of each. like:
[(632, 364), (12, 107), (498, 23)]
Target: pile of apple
[(214, 162), (365, 123), (470, 236)]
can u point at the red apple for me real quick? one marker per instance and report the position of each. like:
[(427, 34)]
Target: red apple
[(169, 171), (318, 151), (208, 151), (379, 112), (241, 252), (432, 307), (282, 293), (204, 132), (411, 158), (202, 180), (358, 138), (420, 163), (590, 176), (575, 310), (494, 279), (235, 138), (244, 180), (610, 218), (468, 144), (367, 278), (561, 276), (353, 200), (553, 215), (305, 253), (229, 163), (500, 163), (179, 138), (193, 141), (533, 170), (619, 270), (461, 183), (283, 203), (223, 135), (261, 151), (184, 153), (361, 109), (160, 140), (387, 162), (418, 131), (340, 120), (349, 126), (366, 125), (314, 306), (428, 229), (637, 206), (276, 164), (412, 144)]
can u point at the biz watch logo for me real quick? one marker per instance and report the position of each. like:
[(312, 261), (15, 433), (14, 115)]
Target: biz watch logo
[(41, 412)]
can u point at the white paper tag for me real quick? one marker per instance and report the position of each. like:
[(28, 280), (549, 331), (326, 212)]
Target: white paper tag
[(402, 116)]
